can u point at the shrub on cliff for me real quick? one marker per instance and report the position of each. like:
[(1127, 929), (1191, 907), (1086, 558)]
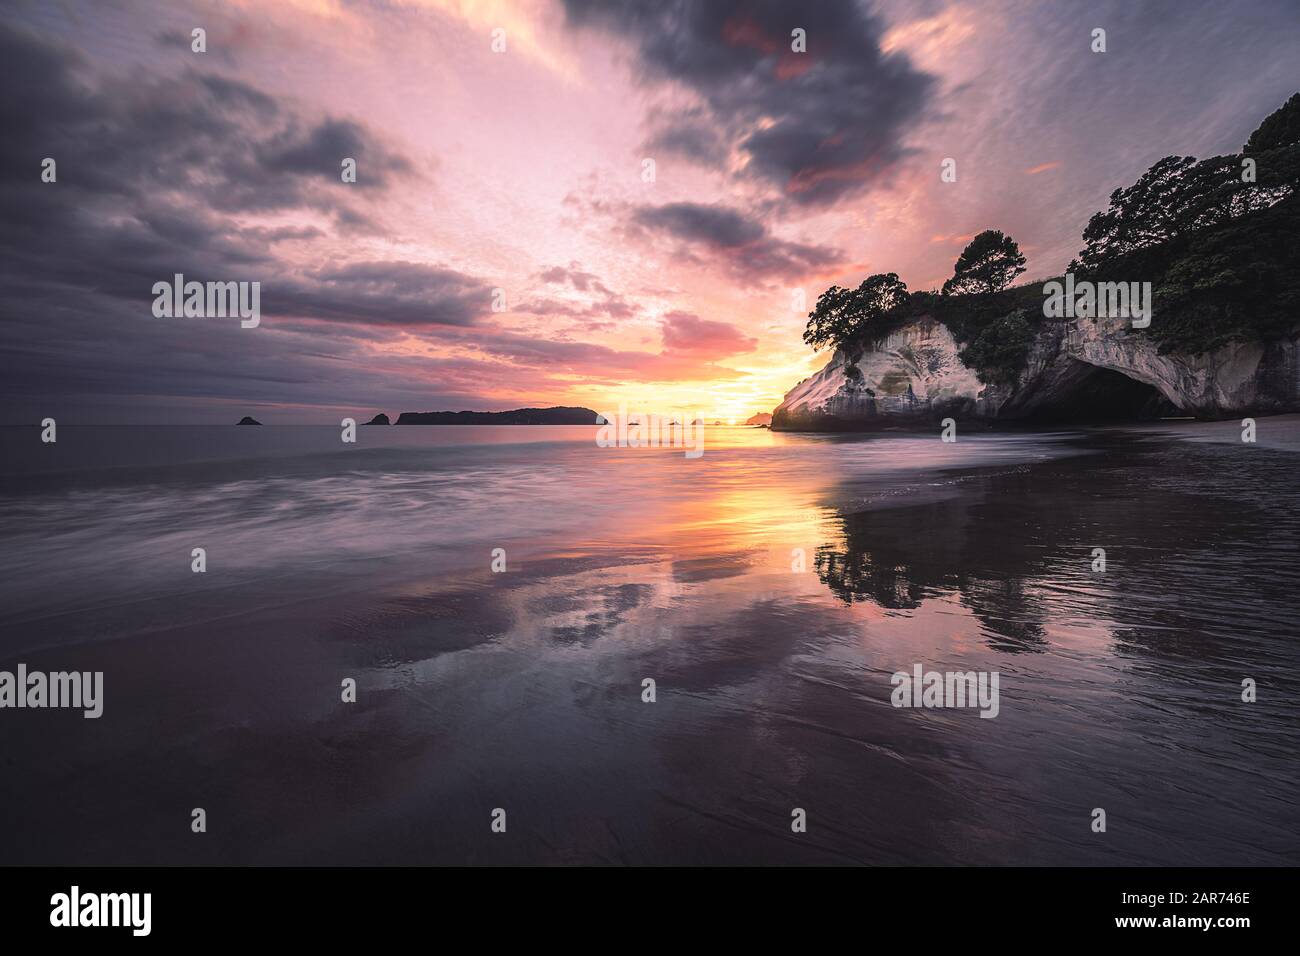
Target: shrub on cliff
[(966, 316), (999, 351)]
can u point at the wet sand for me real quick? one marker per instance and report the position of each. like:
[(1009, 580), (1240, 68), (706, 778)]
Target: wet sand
[(523, 690)]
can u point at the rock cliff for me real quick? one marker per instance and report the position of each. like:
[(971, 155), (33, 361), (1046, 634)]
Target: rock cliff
[(1076, 369)]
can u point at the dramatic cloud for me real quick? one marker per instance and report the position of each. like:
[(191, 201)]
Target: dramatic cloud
[(386, 293), (186, 175), (603, 364), (705, 338), (690, 132), (817, 125), (714, 226), (477, 171), (739, 243), (151, 172), (315, 152), (597, 301), (573, 275)]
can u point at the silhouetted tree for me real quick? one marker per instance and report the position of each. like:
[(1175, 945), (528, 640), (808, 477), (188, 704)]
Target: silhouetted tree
[(1143, 215), (842, 315), (1219, 239), (1179, 196), (988, 264), (1275, 148), (1280, 128)]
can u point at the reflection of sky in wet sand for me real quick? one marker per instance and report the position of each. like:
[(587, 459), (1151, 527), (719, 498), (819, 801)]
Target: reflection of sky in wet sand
[(776, 694), (522, 690)]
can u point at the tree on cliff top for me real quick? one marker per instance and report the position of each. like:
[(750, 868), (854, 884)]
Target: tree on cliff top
[(1176, 197), (988, 264), (842, 315), (1280, 128), (1152, 222), (1218, 239)]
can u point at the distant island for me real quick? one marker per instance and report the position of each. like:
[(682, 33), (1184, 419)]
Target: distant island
[(380, 419), (249, 421), (761, 418), (559, 415)]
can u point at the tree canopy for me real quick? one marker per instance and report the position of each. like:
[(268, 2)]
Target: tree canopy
[(1218, 238), (1173, 199), (1179, 196), (1280, 129), (989, 263), (843, 315)]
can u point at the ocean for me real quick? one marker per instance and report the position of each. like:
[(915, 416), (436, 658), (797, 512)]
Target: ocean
[(770, 589)]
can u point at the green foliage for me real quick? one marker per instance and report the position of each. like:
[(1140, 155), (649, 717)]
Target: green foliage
[(1275, 149), (1280, 128), (1221, 249), (1145, 215), (1217, 239), (999, 351), (1174, 199), (1239, 282), (1218, 245), (989, 263), (966, 316), (831, 320), (842, 316)]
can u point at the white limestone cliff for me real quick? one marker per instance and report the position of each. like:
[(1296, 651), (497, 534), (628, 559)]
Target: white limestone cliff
[(914, 376)]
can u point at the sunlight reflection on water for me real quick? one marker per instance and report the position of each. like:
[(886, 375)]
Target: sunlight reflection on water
[(774, 684)]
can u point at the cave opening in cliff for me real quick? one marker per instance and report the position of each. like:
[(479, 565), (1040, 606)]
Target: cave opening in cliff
[(1096, 394)]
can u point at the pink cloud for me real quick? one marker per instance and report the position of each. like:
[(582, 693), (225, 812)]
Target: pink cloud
[(704, 338)]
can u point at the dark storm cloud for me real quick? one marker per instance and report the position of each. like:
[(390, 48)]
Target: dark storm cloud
[(733, 240), (232, 92), (694, 222), (157, 176), (817, 125), (318, 151), (691, 133), (387, 293), (225, 144), (218, 142)]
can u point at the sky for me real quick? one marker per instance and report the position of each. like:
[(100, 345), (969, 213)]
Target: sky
[(557, 202)]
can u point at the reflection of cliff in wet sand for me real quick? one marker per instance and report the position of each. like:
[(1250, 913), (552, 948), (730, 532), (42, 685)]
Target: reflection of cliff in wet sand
[(773, 680), (1015, 546)]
